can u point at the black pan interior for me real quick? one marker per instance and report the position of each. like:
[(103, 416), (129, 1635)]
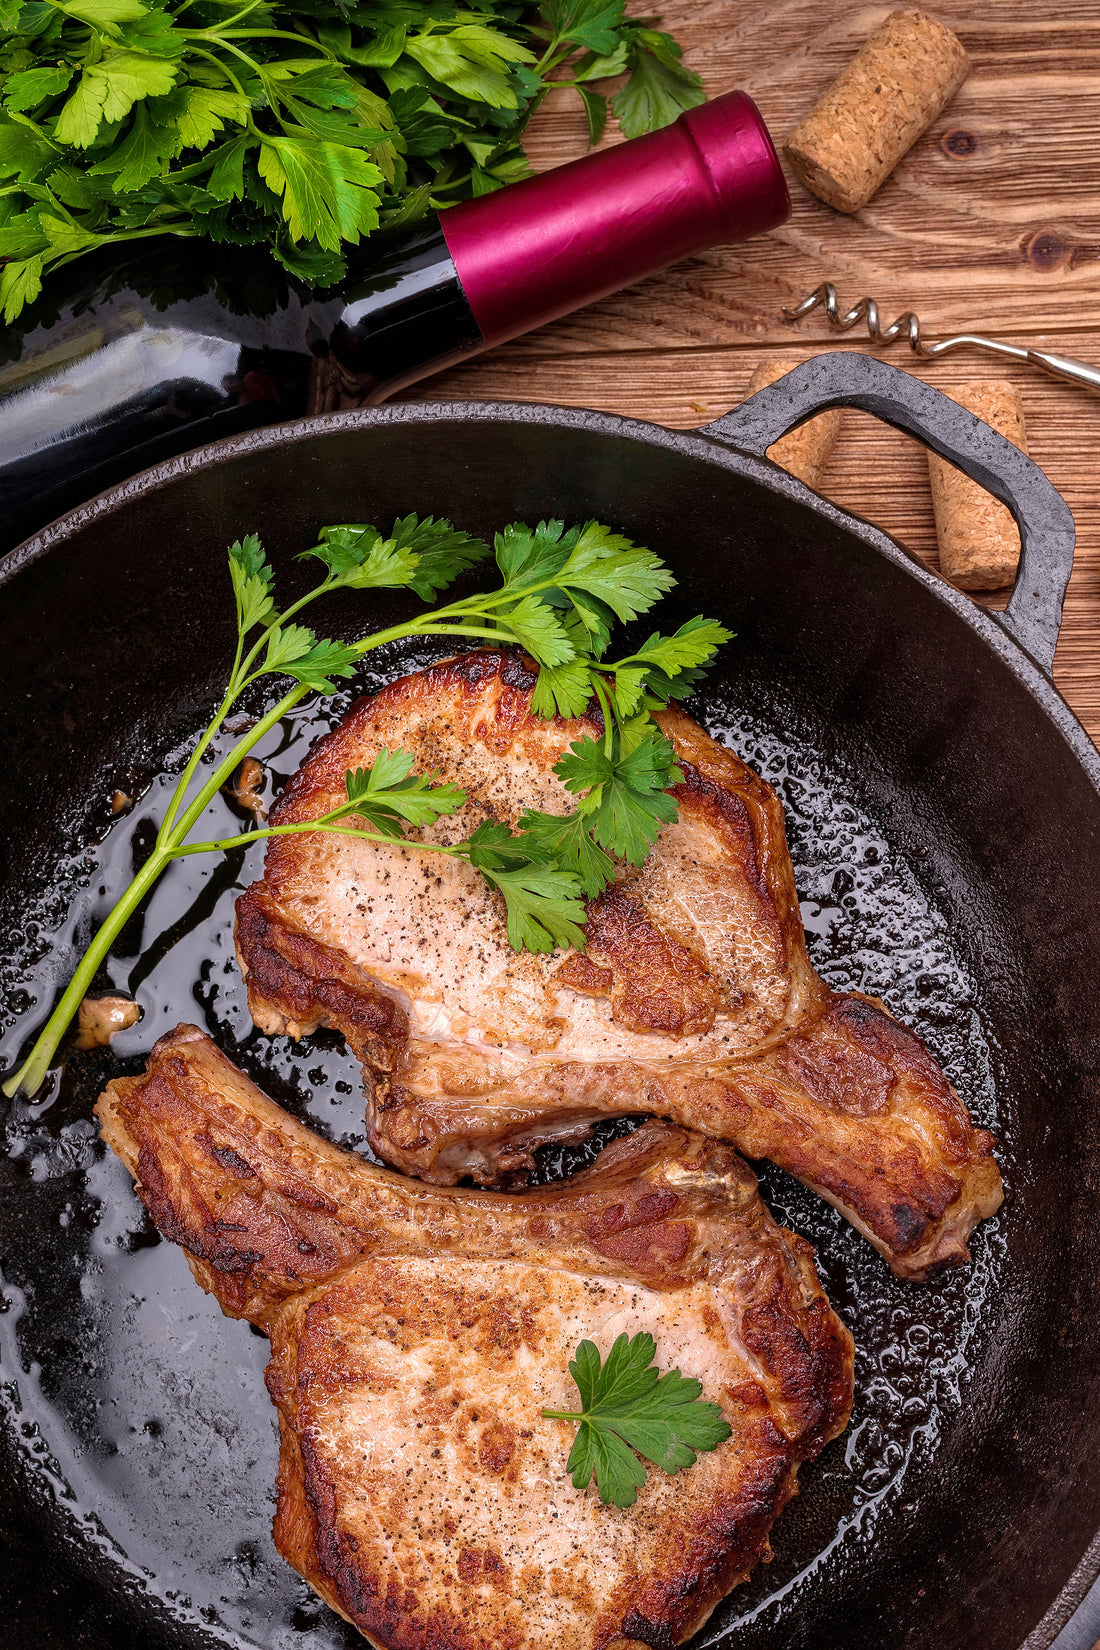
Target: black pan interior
[(946, 837)]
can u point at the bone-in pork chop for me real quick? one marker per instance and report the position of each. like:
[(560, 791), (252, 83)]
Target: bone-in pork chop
[(696, 999), (418, 1331)]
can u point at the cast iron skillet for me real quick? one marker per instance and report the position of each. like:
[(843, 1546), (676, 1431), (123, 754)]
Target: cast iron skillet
[(138, 1448)]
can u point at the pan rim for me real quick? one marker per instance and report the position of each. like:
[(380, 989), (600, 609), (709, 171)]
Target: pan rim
[(697, 445)]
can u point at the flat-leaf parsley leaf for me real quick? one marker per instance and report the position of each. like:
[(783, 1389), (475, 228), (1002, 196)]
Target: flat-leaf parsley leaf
[(629, 1409)]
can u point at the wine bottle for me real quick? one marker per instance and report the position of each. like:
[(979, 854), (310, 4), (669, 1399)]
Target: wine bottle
[(132, 356)]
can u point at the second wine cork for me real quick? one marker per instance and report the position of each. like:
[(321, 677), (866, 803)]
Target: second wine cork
[(805, 452), (979, 541), (877, 108)]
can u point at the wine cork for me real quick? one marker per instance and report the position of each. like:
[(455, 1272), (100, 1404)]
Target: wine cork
[(805, 452), (979, 541), (877, 108)]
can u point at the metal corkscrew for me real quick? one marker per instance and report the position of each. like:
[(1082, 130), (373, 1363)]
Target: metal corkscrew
[(1058, 366)]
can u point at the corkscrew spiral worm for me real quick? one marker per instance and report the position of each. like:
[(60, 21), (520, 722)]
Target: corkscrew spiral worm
[(867, 310)]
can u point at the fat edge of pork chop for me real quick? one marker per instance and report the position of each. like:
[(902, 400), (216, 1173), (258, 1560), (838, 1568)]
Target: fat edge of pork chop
[(417, 1331), (695, 1000)]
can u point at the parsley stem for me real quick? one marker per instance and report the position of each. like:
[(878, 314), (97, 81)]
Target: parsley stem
[(544, 61), (219, 27), (220, 35), (497, 598), (224, 770), (32, 1073), (296, 607), (220, 40), (118, 236), (39, 131), (244, 838), (500, 637), (428, 625), (202, 745), (228, 73), (608, 717)]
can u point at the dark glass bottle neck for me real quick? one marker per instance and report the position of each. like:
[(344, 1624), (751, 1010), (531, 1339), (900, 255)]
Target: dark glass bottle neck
[(404, 311)]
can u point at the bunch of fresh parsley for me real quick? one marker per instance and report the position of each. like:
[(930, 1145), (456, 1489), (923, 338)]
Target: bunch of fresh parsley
[(559, 595), (300, 127)]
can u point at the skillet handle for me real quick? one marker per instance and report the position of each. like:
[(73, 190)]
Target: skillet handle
[(845, 378)]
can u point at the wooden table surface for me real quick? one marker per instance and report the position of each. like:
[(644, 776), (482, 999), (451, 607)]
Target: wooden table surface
[(990, 224)]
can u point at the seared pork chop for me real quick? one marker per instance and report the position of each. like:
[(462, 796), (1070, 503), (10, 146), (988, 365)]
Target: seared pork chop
[(695, 1000), (417, 1332)]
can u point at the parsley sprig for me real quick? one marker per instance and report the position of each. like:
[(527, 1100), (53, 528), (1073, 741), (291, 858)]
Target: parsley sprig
[(629, 1409), (560, 593), (298, 127)]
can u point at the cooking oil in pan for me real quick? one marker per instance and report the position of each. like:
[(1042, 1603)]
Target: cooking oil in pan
[(141, 1411)]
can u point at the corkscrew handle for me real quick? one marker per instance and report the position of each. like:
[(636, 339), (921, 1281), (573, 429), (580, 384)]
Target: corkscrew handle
[(848, 379), (1065, 366)]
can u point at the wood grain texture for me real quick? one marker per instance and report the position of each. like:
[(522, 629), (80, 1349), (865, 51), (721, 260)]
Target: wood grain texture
[(990, 223)]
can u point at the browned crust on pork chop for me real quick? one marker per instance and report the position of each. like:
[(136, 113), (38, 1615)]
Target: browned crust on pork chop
[(696, 999), (417, 1332), (655, 981), (315, 985)]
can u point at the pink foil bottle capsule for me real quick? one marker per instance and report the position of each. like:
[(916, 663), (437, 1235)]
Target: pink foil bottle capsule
[(537, 250)]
